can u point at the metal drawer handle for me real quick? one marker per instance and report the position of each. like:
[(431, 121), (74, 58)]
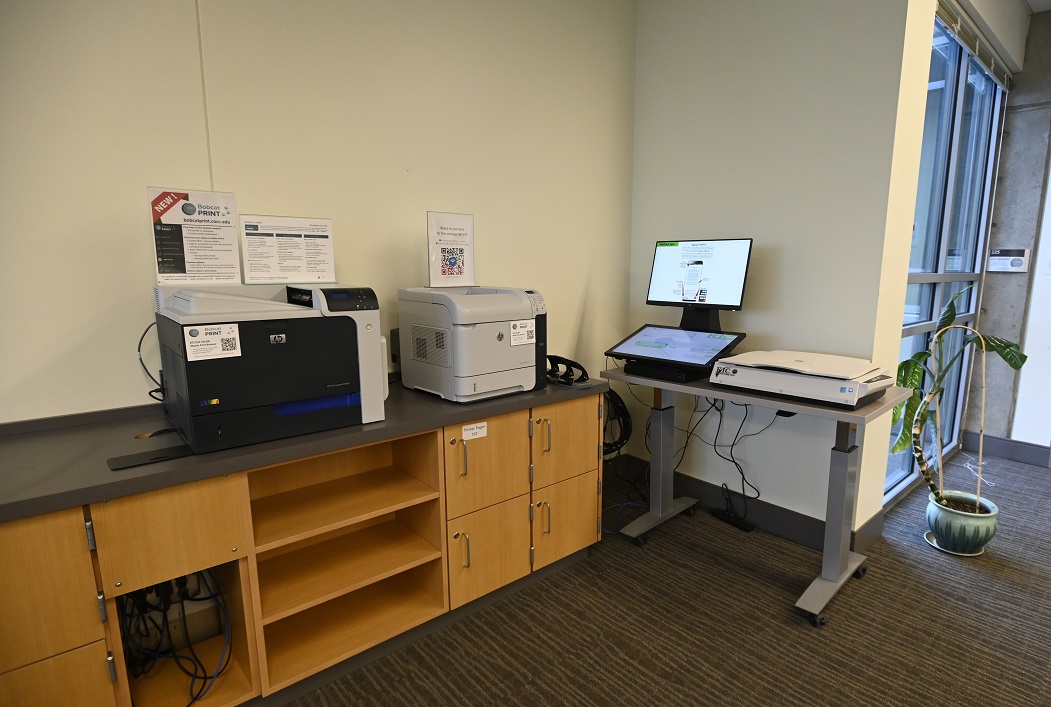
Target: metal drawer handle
[(549, 440), (548, 506), (466, 537), (464, 472)]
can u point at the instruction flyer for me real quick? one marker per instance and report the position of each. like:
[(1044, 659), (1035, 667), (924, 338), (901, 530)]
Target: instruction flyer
[(450, 245), (281, 249), (194, 237)]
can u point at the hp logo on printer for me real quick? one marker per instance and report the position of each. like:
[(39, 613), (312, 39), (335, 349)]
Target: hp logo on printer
[(277, 338), (725, 371)]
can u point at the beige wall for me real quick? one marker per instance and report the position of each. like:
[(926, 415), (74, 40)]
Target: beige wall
[(790, 124), (368, 113)]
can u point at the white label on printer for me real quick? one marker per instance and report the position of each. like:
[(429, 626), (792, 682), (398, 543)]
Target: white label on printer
[(205, 341), (475, 431), (523, 332)]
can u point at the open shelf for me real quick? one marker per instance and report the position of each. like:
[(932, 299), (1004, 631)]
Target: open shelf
[(166, 685), (295, 581), (288, 517), (314, 639)]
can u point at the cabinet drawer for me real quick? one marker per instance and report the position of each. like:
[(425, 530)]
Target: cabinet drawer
[(487, 469), (565, 440), (488, 549), (80, 676), (49, 602), (155, 536), (565, 518)]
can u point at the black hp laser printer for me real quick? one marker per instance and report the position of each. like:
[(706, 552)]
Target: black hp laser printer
[(247, 364)]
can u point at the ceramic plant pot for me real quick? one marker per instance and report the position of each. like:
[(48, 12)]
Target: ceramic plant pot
[(960, 532)]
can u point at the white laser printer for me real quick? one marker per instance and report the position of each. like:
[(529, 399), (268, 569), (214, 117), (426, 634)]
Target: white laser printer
[(812, 377), (472, 343), (246, 364)]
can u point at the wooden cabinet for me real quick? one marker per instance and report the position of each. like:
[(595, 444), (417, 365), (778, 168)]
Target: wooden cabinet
[(50, 617), (546, 461), (318, 558), (156, 536), (347, 552)]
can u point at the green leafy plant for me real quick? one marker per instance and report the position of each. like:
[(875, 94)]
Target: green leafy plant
[(925, 373)]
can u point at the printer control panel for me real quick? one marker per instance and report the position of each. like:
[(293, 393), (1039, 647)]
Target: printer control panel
[(344, 299), (337, 299), (536, 302)]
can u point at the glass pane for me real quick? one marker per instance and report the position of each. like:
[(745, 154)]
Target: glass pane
[(975, 131), (950, 399), (919, 299), (934, 158), (901, 465), (965, 302)]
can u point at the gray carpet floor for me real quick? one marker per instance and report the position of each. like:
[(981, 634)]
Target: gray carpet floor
[(704, 614)]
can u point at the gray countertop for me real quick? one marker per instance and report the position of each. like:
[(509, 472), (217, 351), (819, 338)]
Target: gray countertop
[(46, 468)]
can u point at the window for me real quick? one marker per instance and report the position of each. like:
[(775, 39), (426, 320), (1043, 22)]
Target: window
[(953, 199)]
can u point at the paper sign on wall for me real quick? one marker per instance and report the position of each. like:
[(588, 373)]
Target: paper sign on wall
[(450, 247), (279, 249), (194, 237)]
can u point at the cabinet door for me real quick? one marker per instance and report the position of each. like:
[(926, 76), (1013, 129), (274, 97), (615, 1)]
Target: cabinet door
[(79, 677), (565, 440), (488, 549), (565, 518), (49, 601), (486, 462), (155, 536)]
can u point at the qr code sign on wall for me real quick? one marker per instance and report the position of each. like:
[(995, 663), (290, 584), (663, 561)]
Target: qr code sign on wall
[(452, 261)]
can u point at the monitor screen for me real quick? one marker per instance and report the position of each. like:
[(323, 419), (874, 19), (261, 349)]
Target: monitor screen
[(699, 274), (678, 347)]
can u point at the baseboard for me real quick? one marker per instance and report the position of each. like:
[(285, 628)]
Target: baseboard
[(790, 525), (1024, 452)]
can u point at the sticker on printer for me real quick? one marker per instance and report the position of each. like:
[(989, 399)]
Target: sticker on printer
[(475, 431), (205, 341), (523, 332)]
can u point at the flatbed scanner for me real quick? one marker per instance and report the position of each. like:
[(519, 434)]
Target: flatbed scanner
[(813, 377), (472, 343), (246, 364)]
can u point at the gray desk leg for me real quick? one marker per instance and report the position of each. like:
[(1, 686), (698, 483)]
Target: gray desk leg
[(838, 563), (663, 505)]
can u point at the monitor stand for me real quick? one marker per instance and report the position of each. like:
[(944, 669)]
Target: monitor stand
[(700, 319)]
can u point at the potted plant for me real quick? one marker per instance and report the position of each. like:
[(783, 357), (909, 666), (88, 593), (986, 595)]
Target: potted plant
[(960, 522)]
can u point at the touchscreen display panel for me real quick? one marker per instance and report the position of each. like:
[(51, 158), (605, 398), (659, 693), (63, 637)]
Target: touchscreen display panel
[(675, 346)]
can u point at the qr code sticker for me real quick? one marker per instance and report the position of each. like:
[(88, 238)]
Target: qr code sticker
[(452, 261), (530, 334), (229, 344)]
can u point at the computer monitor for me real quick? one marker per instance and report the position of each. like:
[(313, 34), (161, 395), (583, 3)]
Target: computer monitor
[(701, 276)]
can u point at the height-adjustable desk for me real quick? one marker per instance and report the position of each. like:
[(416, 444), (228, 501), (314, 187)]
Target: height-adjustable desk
[(838, 562)]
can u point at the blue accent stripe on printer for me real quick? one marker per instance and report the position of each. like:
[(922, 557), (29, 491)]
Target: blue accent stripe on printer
[(327, 403)]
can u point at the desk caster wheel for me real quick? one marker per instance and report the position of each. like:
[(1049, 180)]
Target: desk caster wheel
[(860, 572), (639, 541), (689, 512), (817, 620)]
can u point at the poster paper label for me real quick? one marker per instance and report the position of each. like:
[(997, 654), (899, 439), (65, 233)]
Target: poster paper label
[(475, 431)]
